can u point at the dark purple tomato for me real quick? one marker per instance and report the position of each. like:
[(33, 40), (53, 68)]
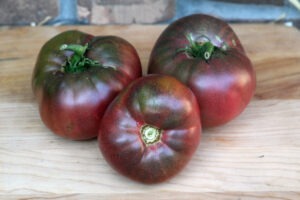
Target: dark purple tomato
[(76, 76), (204, 53), (151, 130)]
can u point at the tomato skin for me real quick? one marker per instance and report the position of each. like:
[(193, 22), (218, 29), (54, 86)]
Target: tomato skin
[(159, 101), (224, 84), (72, 104)]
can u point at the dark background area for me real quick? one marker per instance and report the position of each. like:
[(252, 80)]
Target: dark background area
[(60, 12)]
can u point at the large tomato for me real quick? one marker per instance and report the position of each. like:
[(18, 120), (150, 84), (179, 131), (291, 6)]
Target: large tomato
[(76, 76), (204, 53), (151, 130)]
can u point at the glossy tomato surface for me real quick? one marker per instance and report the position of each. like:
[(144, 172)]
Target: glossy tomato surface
[(222, 79), (151, 130), (71, 103)]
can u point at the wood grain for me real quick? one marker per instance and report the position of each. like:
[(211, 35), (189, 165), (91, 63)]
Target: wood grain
[(256, 156)]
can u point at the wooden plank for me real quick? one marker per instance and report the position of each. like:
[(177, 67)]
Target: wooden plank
[(253, 157), (165, 196), (250, 153)]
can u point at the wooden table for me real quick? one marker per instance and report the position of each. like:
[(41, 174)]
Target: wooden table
[(253, 157)]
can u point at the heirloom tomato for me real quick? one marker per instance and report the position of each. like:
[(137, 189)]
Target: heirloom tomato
[(151, 129), (205, 54), (76, 76)]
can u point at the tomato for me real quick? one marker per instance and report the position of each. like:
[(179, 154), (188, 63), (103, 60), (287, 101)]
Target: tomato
[(151, 130), (205, 54), (76, 76)]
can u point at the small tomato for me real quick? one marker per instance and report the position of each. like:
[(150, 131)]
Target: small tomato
[(151, 130), (76, 76), (205, 54)]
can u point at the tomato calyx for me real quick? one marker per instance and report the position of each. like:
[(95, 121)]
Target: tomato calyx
[(150, 134), (203, 50), (77, 62)]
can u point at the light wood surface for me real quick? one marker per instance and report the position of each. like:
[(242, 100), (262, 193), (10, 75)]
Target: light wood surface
[(256, 156)]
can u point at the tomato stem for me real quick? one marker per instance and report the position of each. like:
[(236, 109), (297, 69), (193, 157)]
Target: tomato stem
[(77, 62), (150, 134), (195, 49)]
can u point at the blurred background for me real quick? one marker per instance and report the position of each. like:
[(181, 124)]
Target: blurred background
[(96, 12)]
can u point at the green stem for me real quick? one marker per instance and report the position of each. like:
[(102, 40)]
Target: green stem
[(150, 134), (77, 62), (207, 50), (202, 50), (76, 48)]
